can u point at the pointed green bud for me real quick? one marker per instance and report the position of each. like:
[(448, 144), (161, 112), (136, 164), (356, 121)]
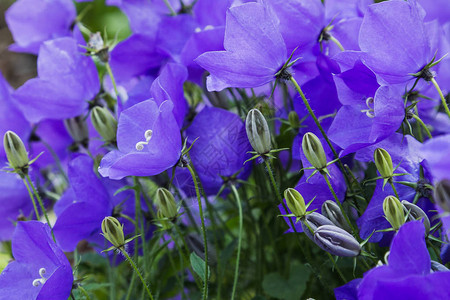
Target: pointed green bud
[(442, 194), (383, 161), (78, 130), (105, 123), (295, 202), (166, 203), (258, 132), (294, 120), (313, 150), (193, 93), (393, 210), (113, 232), (15, 151)]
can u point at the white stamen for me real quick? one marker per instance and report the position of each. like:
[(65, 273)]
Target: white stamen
[(41, 280), (148, 136), (370, 112), (209, 27)]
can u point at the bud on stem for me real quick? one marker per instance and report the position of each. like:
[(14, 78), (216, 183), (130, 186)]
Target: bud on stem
[(166, 203), (15, 152), (393, 210), (336, 241), (383, 161), (113, 232), (332, 211), (258, 132), (313, 150), (104, 123), (295, 202)]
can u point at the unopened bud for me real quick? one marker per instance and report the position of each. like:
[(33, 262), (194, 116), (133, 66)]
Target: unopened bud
[(437, 267), (258, 131), (294, 120), (336, 241), (192, 93), (105, 123), (97, 47), (383, 161), (166, 203), (113, 231), (332, 211), (295, 202), (393, 210), (78, 130), (313, 221), (15, 151), (442, 194), (313, 150), (416, 213)]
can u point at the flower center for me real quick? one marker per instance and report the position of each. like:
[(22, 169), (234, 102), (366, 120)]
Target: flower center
[(370, 112), (42, 279), (148, 136)]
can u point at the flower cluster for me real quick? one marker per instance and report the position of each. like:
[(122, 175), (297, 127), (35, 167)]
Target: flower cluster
[(154, 164)]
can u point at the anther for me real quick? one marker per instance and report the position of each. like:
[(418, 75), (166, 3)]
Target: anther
[(148, 136), (41, 280)]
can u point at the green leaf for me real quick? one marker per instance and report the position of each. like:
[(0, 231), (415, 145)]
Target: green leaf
[(198, 265), (278, 287)]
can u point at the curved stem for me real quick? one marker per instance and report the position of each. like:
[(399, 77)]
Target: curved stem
[(36, 211), (330, 187), (172, 11), (336, 41), (316, 121), (138, 273), (394, 189), (110, 73), (419, 120), (236, 272), (205, 241), (444, 102), (41, 204)]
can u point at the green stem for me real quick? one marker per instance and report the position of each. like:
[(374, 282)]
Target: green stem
[(419, 120), (172, 11), (139, 225), (419, 129), (205, 241), (444, 102), (337, 268), (330, 187), (138, 273), (85, 293), (130, 287), (41, 204), (316, 121), (236, 272), (394, 189), (108, 69), (36, 211), (336, 41)]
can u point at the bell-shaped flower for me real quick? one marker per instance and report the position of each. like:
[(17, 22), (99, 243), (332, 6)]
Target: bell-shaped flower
[(67, 81), (148, 141), (254, 49), (40, 269)]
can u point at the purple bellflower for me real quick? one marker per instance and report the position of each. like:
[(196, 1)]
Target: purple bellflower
[(436, 152), (40, 270), (148, 140), (33, 22), (254, 49), (67, 81), (408, 273)]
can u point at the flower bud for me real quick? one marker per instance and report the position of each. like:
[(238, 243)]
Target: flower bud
[(294, 120), (383, 161), (336, 241), (166, 203), (442, 194), (393, 210), (78, 130), (416, 213), (332, 211), (295, 202), (258, 131), (313, 150), (113, 231), (314, 220), (105, 123), (15, 151), (437, 267)]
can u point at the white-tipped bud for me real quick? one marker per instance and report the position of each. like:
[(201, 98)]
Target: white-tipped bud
[(258, 132)]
